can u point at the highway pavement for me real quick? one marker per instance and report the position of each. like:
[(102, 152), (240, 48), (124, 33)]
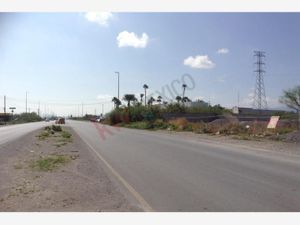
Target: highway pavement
[(12, 132), (171, 173)]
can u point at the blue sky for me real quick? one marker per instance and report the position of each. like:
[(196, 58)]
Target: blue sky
[(66, 59)]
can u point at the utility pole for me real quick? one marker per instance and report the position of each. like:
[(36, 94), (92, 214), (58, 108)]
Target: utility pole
[(260, 101), (39, 109), (4, 104), (82, 110), (26, 102), (118, 84)]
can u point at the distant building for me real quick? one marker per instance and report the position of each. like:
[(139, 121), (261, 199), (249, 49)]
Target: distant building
[(198, 104), (251, 111)]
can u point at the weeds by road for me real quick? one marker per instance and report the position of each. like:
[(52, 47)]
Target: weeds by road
[(59, 136), (255, 131), (53, 170), (49, 163)]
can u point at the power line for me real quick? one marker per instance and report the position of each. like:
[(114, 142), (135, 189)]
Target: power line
[(59, 103)]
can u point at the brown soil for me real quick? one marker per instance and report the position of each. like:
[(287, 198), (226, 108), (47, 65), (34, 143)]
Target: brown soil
[(255, 143), (293, 137), (82, 184)]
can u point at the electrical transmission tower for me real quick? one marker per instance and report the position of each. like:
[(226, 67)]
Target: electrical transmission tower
[(260, 101)]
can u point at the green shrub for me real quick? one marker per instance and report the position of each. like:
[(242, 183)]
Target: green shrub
[(139, 125), (160, 124), (133, 114), (175, 108), (43, 135), (25, 118), (66, 134), (49, 163), (56, 128)]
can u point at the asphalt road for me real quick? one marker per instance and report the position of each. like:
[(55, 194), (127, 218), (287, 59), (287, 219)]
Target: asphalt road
[(12, 132), (176, 174)]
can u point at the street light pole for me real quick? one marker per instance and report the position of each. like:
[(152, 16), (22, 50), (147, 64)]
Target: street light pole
[(26, 102), (4, 104), (118, 84)]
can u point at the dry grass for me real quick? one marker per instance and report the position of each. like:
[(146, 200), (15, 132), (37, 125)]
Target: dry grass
[(179, 124)]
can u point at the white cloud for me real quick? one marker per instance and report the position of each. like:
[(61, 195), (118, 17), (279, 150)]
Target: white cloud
[(223, 51), (100, 18), (130, 39), (199, 62)]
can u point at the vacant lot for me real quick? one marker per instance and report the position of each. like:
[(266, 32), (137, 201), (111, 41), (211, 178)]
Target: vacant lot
[(52, 170)]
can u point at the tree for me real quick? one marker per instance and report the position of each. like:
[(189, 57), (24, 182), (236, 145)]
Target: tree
[(129, 98), (186, 99), (145, 87), (116, 101), (184, 87), (291, 98), (151, 100), (178, 99), (159, 99), (141, 96)]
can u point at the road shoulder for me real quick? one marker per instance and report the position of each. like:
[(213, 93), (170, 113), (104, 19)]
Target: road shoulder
[(262, 144), (80, 184)]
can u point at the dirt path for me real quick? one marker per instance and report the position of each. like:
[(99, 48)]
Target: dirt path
[(78, 182)]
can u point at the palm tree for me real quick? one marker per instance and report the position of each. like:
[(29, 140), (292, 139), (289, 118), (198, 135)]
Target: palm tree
[(184, 87), (178, 99), (145, 87), (116, 101), (129, 98), (186, 99), (141, 96), (151, 100), (136, 101), (159, 99)]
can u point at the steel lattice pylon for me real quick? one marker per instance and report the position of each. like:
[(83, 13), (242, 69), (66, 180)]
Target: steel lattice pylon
[(259, 101)]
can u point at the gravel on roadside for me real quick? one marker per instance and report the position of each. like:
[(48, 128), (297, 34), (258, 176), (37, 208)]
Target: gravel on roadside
[(81, 184)]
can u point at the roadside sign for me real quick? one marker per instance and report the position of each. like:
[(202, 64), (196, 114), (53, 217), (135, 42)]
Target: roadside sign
[(273, 122)]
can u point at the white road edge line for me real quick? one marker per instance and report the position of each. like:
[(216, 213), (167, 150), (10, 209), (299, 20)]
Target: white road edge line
[(146, 207)]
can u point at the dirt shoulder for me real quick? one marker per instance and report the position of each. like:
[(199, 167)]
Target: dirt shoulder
[(56, 173), (259, 144)]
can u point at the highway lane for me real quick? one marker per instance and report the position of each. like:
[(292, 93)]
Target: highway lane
[(12, 132), (176, 174)]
